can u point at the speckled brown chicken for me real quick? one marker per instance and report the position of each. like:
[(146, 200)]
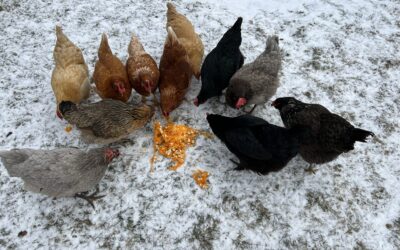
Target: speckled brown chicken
[(108, 120), (142, 70)]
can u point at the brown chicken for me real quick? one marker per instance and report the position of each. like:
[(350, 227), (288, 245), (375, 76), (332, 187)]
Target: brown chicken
[(70, 78), (110, 74), (184, 30), (175, 73), (142, 69), (106, 121)]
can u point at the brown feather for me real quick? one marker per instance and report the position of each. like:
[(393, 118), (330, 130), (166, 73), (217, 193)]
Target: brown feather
[(188, 37), (109, 69), (70, 77), (175, 73), (141, 67)]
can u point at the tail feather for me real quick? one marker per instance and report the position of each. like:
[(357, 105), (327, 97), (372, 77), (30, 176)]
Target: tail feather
[(272, 44), (135, 46), (11, 159), (61, 37), (65, 51), (66, 106), (238, 23), (104, 48), (171, 9), (361, 135), (233, 36)]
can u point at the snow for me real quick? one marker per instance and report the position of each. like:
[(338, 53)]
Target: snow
[(344, 55)]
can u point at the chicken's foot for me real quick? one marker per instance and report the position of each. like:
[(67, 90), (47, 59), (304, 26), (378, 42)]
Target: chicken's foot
[(235, 162), (90, 198), (252, 109), (155, 101), (311, 169), (239, 166)]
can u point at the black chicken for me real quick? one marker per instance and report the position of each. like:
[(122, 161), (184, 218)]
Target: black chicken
[(332, 135), (260, 146), (220, 64)]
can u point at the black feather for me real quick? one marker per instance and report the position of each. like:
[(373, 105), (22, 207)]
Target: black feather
[(221, 63), (360, 134), (332, 134), (66, 106), (260, 146)]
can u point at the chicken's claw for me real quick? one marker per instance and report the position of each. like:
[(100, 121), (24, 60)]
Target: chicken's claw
[(311, 169), (89, 198), (251, 110)]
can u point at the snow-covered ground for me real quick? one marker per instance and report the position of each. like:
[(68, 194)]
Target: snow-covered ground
[(342, 54)]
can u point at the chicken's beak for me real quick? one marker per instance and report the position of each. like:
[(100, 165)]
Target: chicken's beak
[(116, 153), (147, 86), (59, 115), (196, 102), (121, 91), (120, 88), (110, 154), (275, 104)]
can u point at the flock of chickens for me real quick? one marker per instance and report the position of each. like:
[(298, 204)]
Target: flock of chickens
[(311, 130)]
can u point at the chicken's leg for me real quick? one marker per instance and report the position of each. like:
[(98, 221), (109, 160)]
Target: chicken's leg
[(90, 198), (239, 165), (219, 99), (235, 162), (155, 101), (252, 109)]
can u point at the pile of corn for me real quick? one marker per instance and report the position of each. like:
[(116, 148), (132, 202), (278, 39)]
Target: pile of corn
[(172, 141)]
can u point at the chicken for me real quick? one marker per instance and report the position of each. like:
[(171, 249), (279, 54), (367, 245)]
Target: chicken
[(59, 172), (220, 65), (110, 74), (70, 78), (175, 73), (256, 82), (331, 134), (142, 69), (106, 121), (260, 146), (191, 41)]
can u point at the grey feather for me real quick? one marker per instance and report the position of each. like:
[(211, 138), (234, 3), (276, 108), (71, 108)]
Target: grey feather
[(57, 172), (257, 81)]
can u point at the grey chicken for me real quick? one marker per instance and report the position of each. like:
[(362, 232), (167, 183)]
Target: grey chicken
[(331, 134), (59, 172), (106, 121), (256, 82)]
